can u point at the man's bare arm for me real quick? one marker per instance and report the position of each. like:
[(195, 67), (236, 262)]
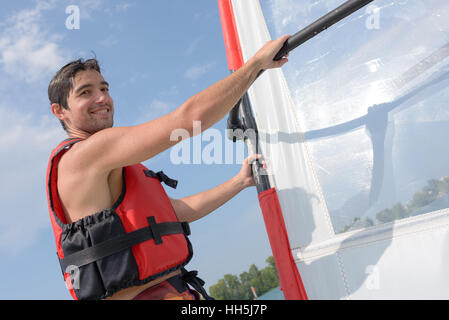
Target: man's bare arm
[(201, 204), (121, 146)]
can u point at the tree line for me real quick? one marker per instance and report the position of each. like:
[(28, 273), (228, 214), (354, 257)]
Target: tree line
[(434, 190), (232, 287)]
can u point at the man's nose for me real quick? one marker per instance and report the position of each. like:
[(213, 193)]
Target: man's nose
[(101, 97)]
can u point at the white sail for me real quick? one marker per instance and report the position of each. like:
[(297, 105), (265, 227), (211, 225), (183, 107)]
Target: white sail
[(354, 129)]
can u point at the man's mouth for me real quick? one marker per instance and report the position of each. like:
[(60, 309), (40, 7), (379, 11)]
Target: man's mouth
[(102, 110)]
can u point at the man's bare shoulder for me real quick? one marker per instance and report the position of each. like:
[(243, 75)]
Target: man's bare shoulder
[(81, 154), (82, 189), (70, 160)]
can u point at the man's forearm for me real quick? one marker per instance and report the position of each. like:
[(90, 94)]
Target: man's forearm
[(212, 104), (199, 205)]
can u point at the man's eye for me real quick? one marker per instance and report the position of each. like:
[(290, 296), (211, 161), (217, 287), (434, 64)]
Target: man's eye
[(84, 92), (105, 89)]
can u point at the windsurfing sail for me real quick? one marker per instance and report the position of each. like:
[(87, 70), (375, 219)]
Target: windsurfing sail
[(353, 130)]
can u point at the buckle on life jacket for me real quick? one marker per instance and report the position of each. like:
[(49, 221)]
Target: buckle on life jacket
[(157, 230), (191, 278), (154, 230), (186, 227), (162, 178)]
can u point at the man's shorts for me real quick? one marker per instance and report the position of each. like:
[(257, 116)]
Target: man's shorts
[(173, 288)]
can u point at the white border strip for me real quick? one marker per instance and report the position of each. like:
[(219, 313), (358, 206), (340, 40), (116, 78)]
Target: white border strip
[(363, 237)]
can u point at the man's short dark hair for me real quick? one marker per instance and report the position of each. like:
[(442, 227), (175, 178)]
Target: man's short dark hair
[(61, 84)]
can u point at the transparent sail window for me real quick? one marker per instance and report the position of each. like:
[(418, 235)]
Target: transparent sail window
[(372, 96)]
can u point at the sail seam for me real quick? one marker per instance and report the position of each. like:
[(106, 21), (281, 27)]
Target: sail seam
[(343, 275)]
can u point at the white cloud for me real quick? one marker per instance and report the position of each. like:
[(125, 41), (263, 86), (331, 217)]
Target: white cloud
[(28, 51), (170, 92), (160, 105), (193, 46), (158, 108), (109, 42), (195, 72), (155, 109), (25, 145), (120, 7), (87, 7)]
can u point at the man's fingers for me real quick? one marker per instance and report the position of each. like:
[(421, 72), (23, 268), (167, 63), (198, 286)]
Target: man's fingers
[(280, 43), (281, 62), (251, 158)]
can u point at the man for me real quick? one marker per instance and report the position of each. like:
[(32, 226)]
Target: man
[(118, 234)]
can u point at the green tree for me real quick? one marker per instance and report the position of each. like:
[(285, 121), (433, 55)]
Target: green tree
[(385, 215), (245, 280), (421, 199), (233, 284), (269, 275), (220, 290), (232, 287), (399, 211), (443, 187), (256, 278)]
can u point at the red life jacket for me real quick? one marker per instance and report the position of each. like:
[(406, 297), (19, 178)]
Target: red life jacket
[(138, 240)]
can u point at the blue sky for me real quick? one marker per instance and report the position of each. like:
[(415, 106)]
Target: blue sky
[(155, 55)]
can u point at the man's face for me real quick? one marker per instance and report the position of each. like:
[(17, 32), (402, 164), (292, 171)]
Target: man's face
[(91, 108)]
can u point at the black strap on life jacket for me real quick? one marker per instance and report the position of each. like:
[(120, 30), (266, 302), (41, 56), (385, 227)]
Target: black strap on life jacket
[(124, 241), (190, 277), (162, 178)]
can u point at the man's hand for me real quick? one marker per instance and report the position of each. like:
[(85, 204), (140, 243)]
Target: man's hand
[(266, 54), (245, 176)]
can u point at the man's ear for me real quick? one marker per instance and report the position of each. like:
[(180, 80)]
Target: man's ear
[(58, 110)]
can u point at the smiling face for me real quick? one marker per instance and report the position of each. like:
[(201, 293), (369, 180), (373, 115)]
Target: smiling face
[(90, 107)]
